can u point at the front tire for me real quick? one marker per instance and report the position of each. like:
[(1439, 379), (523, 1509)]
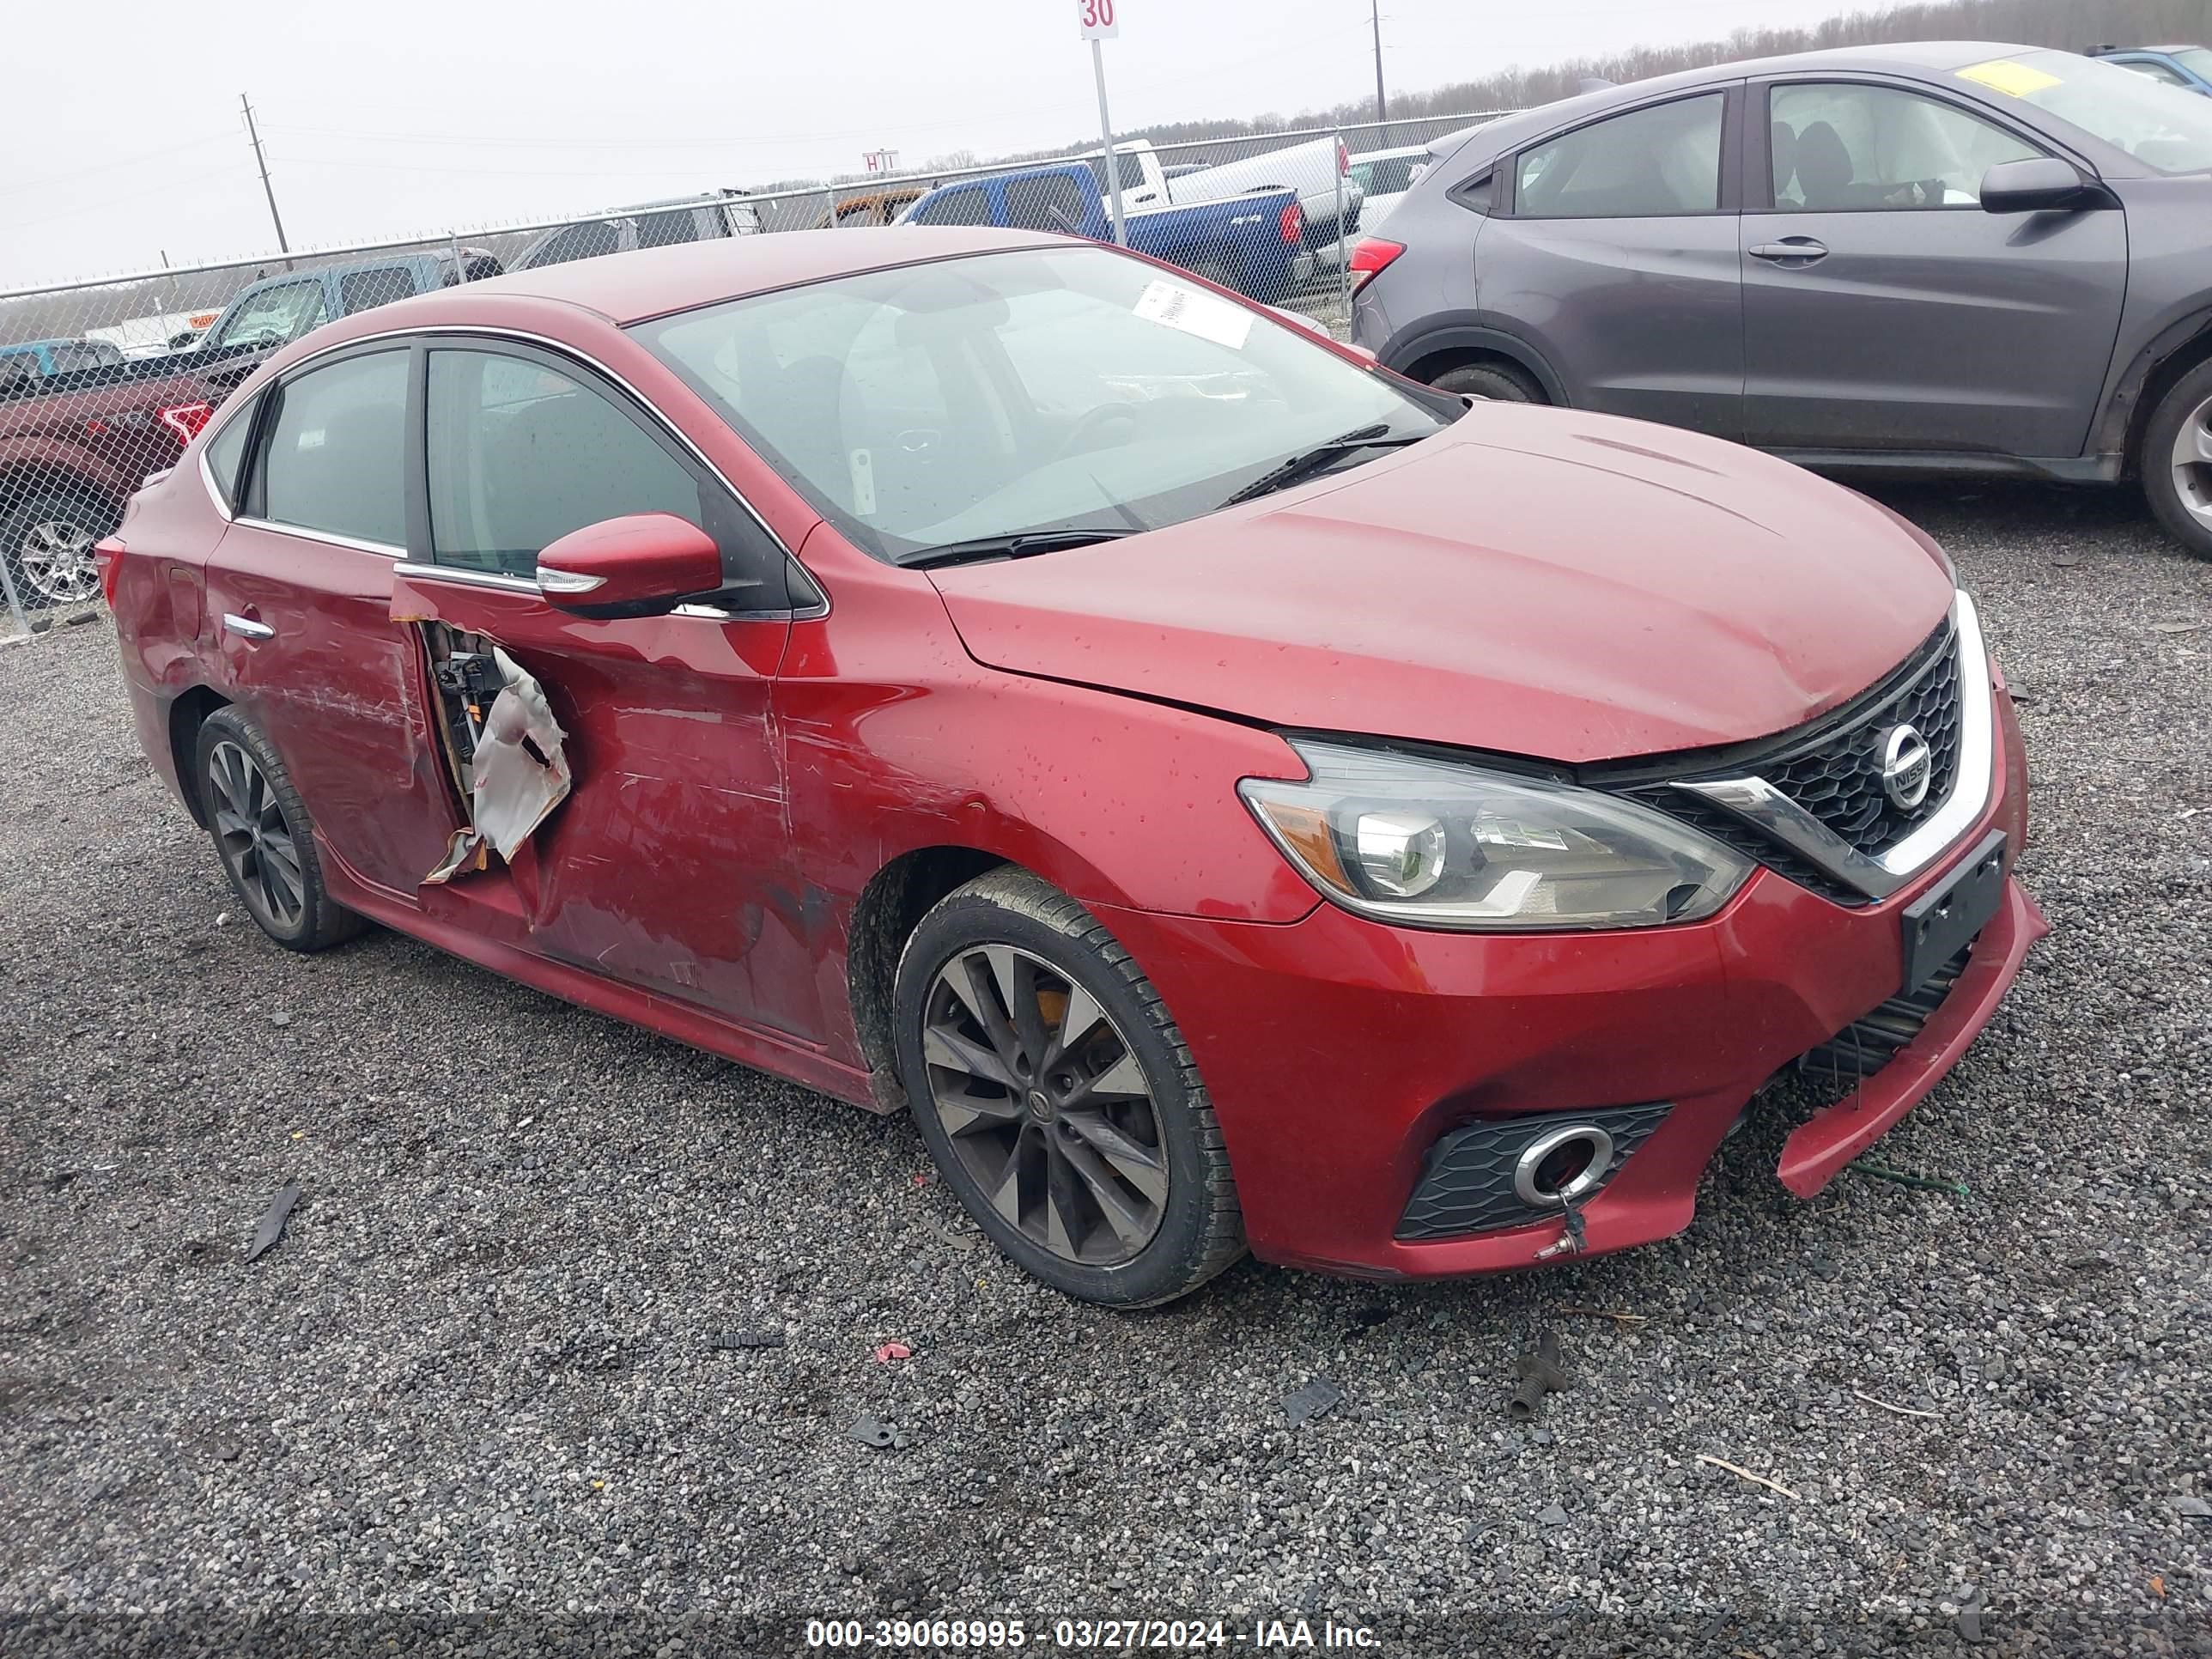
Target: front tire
[(265, 837), (1494, 382), (1059, 1100), (2177, 461)]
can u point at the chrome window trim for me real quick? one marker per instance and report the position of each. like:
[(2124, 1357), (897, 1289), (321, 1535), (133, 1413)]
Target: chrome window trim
[(382, 550), (465, 577), (464, 331), (215, 495), (430, 333), (1781, 819)]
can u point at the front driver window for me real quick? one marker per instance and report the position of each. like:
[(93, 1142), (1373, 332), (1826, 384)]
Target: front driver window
[(1840, 148), (520, 454), (1650, 163)]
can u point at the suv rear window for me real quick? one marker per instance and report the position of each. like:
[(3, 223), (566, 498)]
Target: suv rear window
[(1649, 163)]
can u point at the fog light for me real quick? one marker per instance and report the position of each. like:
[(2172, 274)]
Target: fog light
[(1563, 1166), (1402, 854)]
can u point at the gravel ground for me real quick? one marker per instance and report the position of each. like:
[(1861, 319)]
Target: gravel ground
[(475, 1376)]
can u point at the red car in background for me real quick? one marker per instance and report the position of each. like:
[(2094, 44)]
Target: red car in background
[(1232, 795), (73, 447)]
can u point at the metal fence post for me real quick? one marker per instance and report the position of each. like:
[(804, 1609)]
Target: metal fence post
[(1343, 253), (14, 599)]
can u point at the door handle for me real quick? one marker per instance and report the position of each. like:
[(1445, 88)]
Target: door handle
[(1800, 250), (246, 626)]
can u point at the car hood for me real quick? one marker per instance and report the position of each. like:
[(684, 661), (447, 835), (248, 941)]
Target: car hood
[(1532, 581)]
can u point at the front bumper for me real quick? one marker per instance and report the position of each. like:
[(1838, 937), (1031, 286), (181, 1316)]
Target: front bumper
[(1337, 1051)]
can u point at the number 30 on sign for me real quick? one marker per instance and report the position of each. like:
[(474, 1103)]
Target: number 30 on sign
[(1100, 18)]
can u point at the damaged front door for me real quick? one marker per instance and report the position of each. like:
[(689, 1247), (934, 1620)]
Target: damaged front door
[(621, 776)]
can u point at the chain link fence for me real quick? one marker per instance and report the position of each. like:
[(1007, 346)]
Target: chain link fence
[(103, 382)]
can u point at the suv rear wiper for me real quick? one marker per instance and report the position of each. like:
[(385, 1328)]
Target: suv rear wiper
[(1307, 462), (1008, 547)]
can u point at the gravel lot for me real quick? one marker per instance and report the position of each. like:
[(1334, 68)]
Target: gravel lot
[(476, 1374)]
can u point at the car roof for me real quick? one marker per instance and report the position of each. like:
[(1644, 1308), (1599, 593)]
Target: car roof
[(1924, 60), (626, 288)]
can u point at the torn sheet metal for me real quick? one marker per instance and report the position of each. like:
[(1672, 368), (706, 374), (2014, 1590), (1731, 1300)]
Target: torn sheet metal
[(518, 773)]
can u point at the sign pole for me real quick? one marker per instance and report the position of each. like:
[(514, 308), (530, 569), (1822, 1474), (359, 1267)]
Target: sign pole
[(1106, 132)]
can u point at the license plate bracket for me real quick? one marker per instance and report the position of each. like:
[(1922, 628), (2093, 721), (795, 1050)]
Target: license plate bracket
[(1940, 922)]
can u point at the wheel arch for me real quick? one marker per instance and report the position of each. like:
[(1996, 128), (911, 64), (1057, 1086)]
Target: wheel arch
[(188, 712), (1436, 350), (890, 906), (2172, 353)]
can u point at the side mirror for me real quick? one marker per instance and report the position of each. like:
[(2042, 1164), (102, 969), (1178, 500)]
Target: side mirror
[(2046, 185), (643, 564)]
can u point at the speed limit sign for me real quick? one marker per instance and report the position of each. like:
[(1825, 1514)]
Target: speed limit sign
[(1100, 19)]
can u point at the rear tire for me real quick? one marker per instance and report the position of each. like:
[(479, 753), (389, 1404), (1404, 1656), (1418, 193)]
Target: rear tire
[(2176, 461), (1495, 383), (265, 837), (1058, 1098)]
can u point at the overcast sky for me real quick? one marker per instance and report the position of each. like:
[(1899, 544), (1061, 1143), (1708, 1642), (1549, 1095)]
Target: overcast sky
[(120, 138)]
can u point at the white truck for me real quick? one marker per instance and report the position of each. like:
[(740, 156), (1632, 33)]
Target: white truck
[(1320, 170)]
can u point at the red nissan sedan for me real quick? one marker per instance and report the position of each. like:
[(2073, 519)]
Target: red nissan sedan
[(1233, 797)]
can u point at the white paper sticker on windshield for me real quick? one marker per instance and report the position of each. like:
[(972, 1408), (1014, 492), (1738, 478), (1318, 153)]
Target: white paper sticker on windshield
[(1195, 312), (864, 482)]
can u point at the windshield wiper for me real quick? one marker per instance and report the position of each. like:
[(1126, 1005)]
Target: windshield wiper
[(1009, 547), (1307, 462)]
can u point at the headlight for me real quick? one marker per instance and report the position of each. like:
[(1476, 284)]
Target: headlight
[(1436, 845)]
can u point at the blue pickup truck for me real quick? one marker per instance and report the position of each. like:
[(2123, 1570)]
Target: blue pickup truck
[(1246, 243)]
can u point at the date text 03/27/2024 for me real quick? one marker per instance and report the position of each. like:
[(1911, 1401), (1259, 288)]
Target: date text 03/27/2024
[(1088, 1635)]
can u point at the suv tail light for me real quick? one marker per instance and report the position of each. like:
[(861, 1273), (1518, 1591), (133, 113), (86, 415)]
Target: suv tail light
[(1370, 257), (185, 420), (108, 555), (1343, 158), (1294, 224)]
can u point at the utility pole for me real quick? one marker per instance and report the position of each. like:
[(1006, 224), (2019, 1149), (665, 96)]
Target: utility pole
[(1375, 17), (268, 190)]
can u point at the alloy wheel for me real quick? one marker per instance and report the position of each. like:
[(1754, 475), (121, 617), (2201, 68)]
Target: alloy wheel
[(1046, 1104), (257, 843), (56, 559), (2192, 463)]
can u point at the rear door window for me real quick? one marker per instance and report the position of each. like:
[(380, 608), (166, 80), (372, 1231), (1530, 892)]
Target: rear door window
[(1649, 163), (335, 460), (521, 453), (969, 205), (365, 290), (1048, 202), (226, 450)]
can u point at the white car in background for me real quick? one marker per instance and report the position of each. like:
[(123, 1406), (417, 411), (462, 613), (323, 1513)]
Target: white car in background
[(1385, 175)]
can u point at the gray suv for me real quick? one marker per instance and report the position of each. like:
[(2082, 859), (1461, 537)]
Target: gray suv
[(1929, 257)]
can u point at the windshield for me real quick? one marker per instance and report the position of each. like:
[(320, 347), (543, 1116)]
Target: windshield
[(2195, 59), (2168, 129), (1012, 393), (275, 316)]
